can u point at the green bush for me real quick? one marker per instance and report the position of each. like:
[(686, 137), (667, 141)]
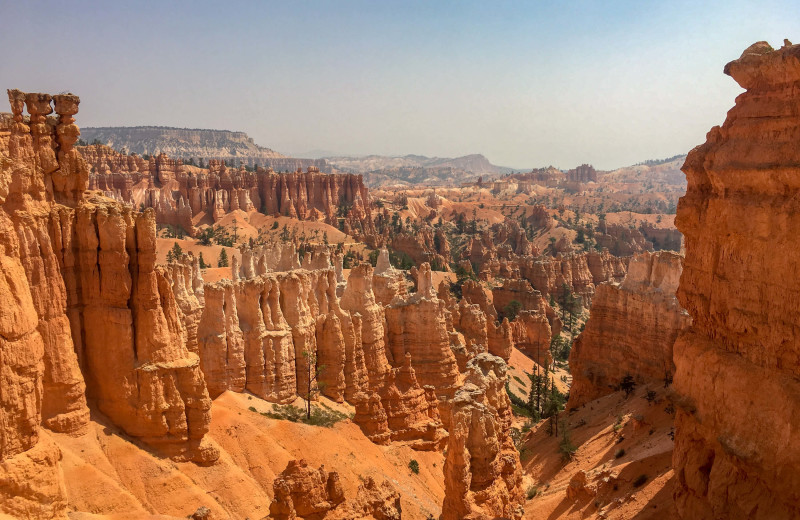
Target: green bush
[(640, 480), (532, 492), (413, 465), (566, 447), (325, 416), (620, 453)]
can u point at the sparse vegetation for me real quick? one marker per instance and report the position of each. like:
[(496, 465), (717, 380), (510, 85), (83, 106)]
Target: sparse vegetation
[(532, 492), (511, 310), (618, 424), (321, 415), (222, 261), (566, 447), (413, 465), (628, 385)]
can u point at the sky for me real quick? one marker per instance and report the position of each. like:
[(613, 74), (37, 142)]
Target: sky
[(527, 84)]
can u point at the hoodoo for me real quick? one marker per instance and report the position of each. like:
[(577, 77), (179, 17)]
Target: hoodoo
[(738, 377), (631, 330)]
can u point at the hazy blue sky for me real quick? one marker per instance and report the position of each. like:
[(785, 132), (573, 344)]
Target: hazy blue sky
[(525, 83)]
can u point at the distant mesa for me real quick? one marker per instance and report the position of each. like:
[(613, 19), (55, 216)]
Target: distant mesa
[(194, 143), (381, 170)]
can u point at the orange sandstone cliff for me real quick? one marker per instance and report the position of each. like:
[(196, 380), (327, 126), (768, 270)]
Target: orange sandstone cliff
[(738, 376), (631, 330), (89, 321)]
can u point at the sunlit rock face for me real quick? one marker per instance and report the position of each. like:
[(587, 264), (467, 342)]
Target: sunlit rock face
[(738, 366), (631, 330)]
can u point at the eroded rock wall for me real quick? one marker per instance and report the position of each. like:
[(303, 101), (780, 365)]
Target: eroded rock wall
[(631, 330), (178, 191), (737, 372), (483, 474)]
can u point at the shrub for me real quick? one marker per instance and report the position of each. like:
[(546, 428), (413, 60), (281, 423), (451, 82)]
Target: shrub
[(650, 396), (413, 465), (325, 416), (532, 492), (618, 424), (628, 385), (566, 447), (640, 480), (620, 453), (512, 309)]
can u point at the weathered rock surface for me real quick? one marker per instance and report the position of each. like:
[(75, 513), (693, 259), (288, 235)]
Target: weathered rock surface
[(581, 272), (304, 492), (418, 326), (483, 475), (631, 330), (69, 260), (179, 192), (738, 375)]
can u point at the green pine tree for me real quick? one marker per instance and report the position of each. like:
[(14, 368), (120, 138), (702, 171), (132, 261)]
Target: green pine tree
[(223, 259)]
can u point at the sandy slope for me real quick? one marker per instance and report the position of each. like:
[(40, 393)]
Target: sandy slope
[(108, 474), (643, 434)]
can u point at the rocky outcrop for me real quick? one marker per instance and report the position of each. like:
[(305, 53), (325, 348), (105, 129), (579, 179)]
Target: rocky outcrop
[(631, 330), (483, 475), (401, 411), (179, 192), (583, 173), (531, 334), (272, 333), (127, 327), (387, 282), (69, 261), (740, 284), (304, 492), (580, 272), (424, 245), (418, 326)]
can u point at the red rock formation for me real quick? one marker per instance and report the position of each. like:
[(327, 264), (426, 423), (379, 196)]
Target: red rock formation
[(483, 475), (358, 298), (520, 291), (583, 173), (424, 245), (68, 261), (303, 492), (581, 272), (631, 330), (387, 282), (180, 192), (126, 324), (738, 377), (418, 326), (532, 335), (402, 411)]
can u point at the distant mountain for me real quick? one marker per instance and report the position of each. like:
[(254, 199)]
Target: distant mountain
[(181, 143), (664, 171), (381, 170), (194, 143)]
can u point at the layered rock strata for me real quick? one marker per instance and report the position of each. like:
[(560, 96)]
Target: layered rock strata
[(580, 272), (179, 192), (737, 372), (483, 474), (70, 260), (631, 330), (304, 492), (418, 326)]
